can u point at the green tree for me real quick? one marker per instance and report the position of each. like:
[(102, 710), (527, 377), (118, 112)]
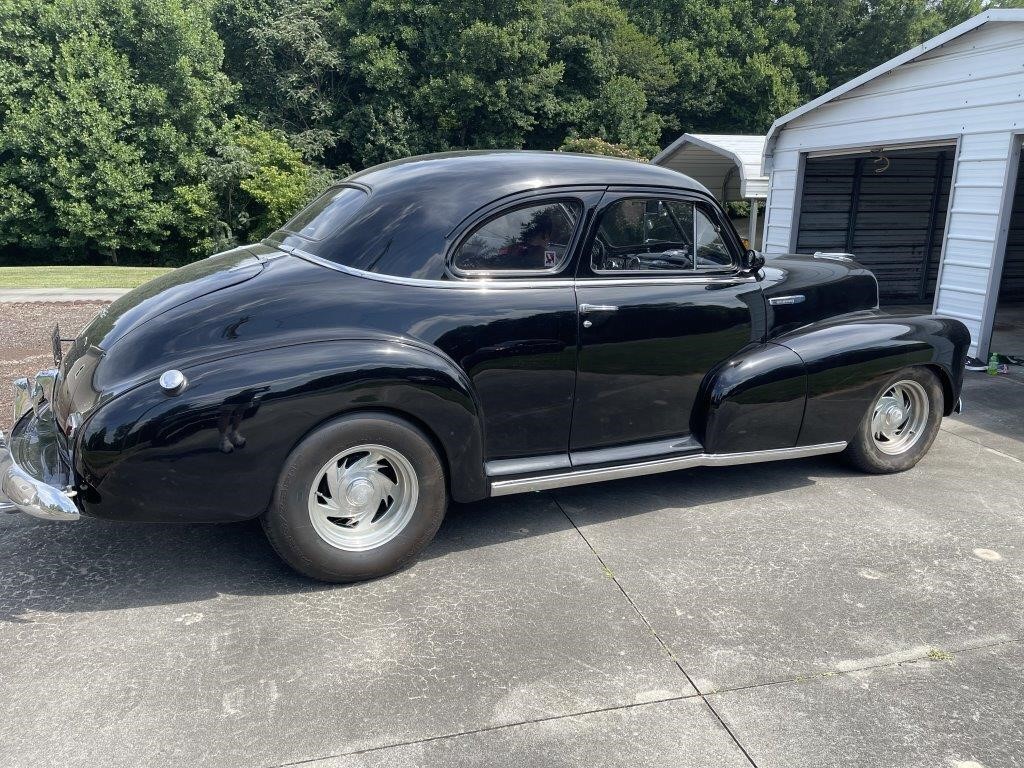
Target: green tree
[(290, 61), (615, 82), (432, 76), (163, 129), (596, 146), (845, 38), (253, 183), (738, 62), (107, 107)]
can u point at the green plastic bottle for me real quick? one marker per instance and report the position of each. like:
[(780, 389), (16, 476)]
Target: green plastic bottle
[(993, 364)]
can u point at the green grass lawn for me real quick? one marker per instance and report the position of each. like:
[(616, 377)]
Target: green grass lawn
[(77, 277)]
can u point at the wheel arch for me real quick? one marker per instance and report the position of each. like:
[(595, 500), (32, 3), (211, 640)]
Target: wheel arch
[(397, 413), (272, 398), (949, 397), (848, 358)]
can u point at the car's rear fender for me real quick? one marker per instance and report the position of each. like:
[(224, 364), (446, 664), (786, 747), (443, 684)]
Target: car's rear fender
[(149, 456)]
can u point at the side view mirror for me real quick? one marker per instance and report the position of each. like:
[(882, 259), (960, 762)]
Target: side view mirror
[(752, 260)]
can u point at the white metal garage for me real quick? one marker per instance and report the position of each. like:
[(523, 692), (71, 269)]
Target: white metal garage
[(913, 166)]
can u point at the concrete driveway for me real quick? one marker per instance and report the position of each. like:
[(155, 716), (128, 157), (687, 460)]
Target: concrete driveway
[(791, 614)]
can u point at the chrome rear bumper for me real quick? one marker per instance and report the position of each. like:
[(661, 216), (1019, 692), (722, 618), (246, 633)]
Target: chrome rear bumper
[(34, 478)]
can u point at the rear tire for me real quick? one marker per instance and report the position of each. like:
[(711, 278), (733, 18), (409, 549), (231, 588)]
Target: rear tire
[(900, 424), (357, 499)]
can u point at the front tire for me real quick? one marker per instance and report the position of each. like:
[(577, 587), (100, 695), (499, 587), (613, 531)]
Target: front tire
[(357, 499), (900, 425)]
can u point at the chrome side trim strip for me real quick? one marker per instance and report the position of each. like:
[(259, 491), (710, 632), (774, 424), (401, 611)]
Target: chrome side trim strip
[(531, 464), (676, 280), (597, 475), (637, 451), (490, 284), (478, 283), (796, 298)]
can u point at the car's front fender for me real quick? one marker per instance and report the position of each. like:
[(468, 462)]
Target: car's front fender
[(814, 384), (214, 452), (849, 358)]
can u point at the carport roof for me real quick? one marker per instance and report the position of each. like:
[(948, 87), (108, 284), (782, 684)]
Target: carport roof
[(727, 164)]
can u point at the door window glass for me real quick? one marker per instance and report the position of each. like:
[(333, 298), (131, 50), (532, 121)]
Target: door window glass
[(645, 234), (712, 252), (533, 238)]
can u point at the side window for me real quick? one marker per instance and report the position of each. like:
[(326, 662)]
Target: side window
[(646, 234), (712, 252), (532, 238)]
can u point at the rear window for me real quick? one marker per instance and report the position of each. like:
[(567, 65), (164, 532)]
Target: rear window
[(328, 212)]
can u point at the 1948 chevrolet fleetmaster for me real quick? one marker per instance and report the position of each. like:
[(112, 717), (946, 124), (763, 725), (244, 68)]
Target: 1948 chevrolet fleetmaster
[(462, 326)]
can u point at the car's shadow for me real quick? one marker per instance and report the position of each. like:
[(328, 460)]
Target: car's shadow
[(96, 565)]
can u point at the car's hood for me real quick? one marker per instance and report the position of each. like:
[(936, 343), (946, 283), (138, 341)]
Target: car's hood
[(802, 289)]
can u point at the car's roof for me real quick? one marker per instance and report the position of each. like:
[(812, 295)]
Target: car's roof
[(519, 170), (414, 204)]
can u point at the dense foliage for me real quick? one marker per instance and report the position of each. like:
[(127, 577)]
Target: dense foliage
[(158, 131)]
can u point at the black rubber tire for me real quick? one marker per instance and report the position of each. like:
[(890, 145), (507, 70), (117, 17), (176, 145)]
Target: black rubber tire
[(287, 522), (862, 452)]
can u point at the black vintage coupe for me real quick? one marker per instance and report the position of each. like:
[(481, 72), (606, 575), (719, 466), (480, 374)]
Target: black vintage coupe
[(462, 326)]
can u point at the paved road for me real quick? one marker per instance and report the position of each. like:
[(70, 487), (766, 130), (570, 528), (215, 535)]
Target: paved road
[(792, 614), (50, 295)]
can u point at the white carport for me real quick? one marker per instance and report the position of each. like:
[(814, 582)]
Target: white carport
[(727, 164)]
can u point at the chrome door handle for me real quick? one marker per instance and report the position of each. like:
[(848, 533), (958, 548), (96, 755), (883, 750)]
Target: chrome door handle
[(587, 308)]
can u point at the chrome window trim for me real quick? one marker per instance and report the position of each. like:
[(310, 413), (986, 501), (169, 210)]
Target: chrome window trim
[(698, 205), (490, 284), (495, 213), (653, 466), (669, 280)]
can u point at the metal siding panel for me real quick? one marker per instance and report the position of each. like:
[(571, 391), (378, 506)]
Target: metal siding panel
[(978, 67), (778, 218), (928, 97), (988, 173), (973, 236), (961, 95), (987, 146)]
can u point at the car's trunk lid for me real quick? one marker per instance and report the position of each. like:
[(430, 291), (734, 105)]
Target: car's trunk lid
[(138, 307)]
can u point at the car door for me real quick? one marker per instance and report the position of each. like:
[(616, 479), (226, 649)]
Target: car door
[(662, 299), (510, 323)]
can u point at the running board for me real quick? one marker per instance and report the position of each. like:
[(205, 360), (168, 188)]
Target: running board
[(636, 469)]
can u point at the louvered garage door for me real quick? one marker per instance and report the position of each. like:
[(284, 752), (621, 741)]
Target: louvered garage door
[(1011, 288), (888, 210)]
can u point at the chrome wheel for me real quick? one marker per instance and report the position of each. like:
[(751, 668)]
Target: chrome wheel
[(900, 417), (363, 497)]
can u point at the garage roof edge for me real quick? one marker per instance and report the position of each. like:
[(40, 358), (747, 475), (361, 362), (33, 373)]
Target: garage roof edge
[(1001, 14)]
